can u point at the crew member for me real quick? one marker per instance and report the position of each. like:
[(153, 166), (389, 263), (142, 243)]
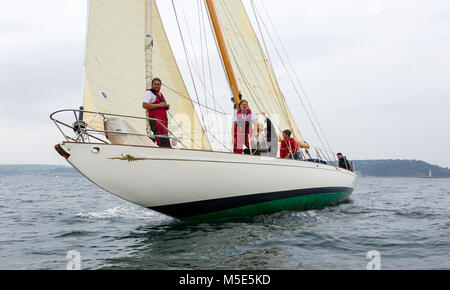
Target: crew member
[(244, 126), (288, 148), (343, 162), (157, 107)]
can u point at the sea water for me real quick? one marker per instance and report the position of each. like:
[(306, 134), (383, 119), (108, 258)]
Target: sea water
[(389, 223)]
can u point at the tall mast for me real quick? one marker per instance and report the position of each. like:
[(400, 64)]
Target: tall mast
[(148, 44), (223, 49)]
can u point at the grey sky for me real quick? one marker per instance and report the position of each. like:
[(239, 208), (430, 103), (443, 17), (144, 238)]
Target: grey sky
[(376, 72)]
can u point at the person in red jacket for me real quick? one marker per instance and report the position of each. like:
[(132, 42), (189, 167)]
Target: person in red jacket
[(157, 107), (244, 127), (288, 146)]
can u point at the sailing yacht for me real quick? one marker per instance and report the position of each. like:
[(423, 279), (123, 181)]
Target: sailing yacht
[(109, 140)]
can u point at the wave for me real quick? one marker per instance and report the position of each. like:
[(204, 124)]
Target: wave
[(293, 217), (127, 213)]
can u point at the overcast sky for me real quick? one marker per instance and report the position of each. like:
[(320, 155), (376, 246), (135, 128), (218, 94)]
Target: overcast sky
[(376, 72)]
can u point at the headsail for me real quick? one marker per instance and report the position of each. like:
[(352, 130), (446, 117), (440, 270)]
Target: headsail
[(253, 72), (115, 71), (115, 61), (174, 88)]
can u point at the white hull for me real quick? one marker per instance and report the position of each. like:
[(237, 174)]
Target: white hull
[(157, 177)]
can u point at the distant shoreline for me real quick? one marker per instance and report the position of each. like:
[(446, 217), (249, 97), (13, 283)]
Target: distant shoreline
[(399, 168), (364, 176), (382, 168)]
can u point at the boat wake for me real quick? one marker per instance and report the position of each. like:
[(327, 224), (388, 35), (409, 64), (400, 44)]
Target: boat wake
[(127, 213), (290, 217)]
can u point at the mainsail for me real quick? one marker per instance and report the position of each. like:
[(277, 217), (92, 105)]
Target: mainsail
[(252, 70), (115, 70)]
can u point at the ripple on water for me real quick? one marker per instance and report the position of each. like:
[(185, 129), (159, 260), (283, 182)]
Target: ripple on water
[(292, 217), (128, 213), (72, 234), (404, 219)]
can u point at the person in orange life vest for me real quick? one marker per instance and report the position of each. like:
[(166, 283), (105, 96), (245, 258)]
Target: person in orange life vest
[(244, 126), (288, 146), (157, 107)]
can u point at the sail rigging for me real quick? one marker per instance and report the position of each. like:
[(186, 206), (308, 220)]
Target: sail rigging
[(223, 49), (254, 76), (116, 72), (181, 107), (127, 46), (148, 44)]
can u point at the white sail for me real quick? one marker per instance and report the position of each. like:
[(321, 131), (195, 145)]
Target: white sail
[(148, 43), (253, 72), (115, 60), (174, 89), (115, 71)]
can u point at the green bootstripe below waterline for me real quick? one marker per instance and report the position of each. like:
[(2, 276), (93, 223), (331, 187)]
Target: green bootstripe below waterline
[(304, 202)]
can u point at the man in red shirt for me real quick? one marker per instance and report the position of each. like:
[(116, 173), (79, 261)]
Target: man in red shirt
[(288, 146)]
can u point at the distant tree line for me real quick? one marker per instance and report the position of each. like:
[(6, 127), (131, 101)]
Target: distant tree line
[(36, 169), (379, 168), (399, 168)]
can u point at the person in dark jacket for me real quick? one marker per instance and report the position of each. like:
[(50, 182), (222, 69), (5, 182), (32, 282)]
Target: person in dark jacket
[(343, 162)]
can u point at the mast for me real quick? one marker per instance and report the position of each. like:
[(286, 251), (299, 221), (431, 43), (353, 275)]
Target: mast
[(223, 50), (148, 44)]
